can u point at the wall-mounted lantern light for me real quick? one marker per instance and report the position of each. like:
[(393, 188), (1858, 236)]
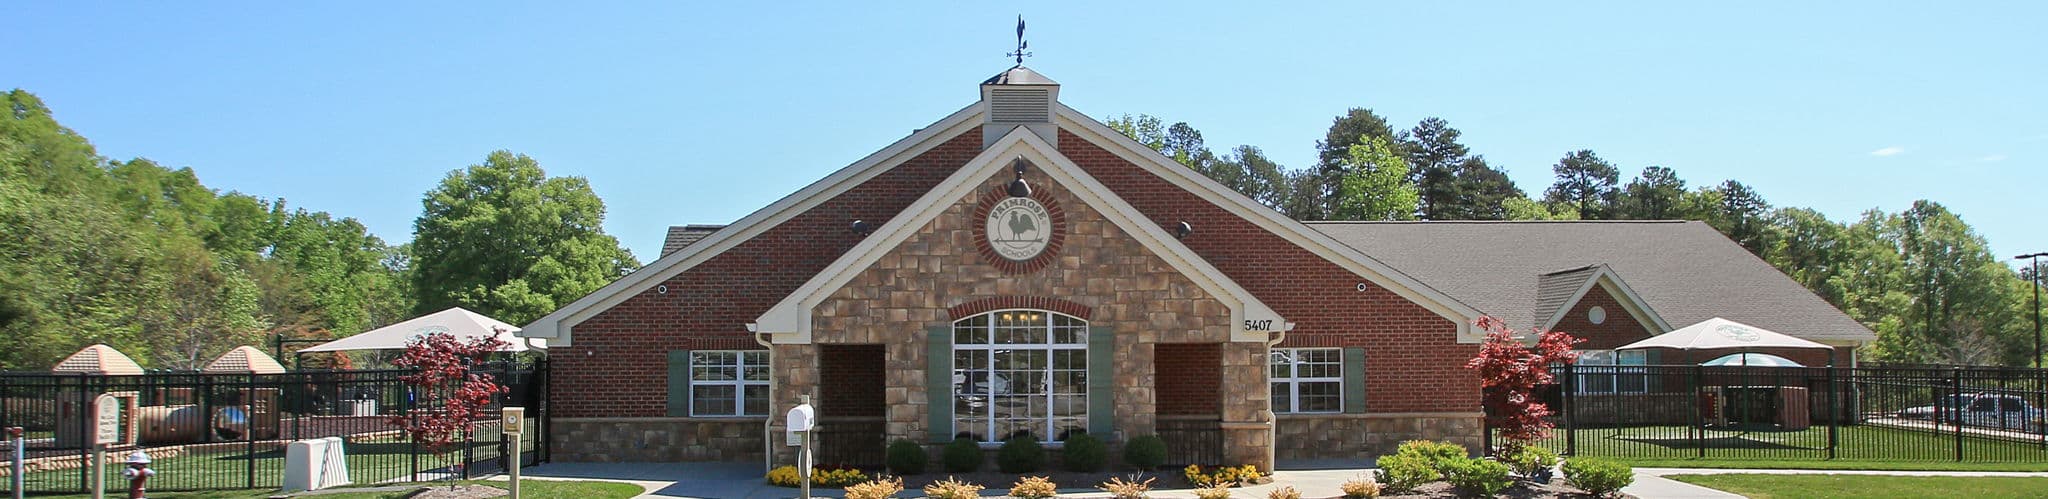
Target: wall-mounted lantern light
[(1019, 189)]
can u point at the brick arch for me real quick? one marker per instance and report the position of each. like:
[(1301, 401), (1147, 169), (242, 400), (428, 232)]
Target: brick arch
[(985, 305)]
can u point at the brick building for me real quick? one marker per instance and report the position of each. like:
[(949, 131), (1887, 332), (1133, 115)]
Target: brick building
[(1020, 269)]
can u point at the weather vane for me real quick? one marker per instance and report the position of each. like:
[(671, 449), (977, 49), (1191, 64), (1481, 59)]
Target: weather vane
[(1020, 54)]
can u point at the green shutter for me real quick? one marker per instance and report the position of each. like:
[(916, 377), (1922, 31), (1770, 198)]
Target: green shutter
[(1354, 380), (678, 383), (1101, 384), (938, 382)]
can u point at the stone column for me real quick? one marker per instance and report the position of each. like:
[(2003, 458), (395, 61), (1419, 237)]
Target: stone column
[(1247, 408)]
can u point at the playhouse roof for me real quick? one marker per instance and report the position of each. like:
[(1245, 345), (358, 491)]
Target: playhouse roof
[(98, 359), (244, 359)]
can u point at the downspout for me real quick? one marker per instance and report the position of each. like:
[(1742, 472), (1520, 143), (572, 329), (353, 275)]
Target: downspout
[(768, 424), (1266, 413)]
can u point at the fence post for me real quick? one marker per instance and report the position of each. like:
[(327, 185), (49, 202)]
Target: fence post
[(1834, 411), (1571, 419), (1699, 430), (85, 431), (249, 396), (1956, 414), (413, 441)]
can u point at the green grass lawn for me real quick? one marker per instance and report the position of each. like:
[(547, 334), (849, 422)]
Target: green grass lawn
[(529, 488), (1861, 486), (368, 463), (1858, 447)]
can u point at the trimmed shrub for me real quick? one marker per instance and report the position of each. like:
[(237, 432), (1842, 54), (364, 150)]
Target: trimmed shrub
[(1530, 461), (906, 457), (952, 489), (1084, 453), (1360, 489), (1021, 455), (1404, 471), (1598, 476), (962, 456), (1439, 455), (1478, 477), (1034, 487), (1146, 452), (875, 489)]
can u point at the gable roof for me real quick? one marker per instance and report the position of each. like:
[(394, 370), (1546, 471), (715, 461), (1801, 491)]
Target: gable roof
[(1683, 272), (789, 321), (684, 235), (556, 325)]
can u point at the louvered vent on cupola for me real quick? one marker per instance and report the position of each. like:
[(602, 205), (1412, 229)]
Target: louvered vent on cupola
[(1019, 97)]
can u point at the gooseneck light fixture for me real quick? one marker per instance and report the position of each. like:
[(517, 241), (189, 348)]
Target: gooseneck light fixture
[(1019, 189)]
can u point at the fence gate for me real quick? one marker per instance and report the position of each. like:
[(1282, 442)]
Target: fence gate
[(1192, 440)]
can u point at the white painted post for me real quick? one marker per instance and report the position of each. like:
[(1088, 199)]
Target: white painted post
[(801, 420), (107, 429)]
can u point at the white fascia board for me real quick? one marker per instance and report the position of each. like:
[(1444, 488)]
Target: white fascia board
[(556, 326), (789, 322), (1372, 269), (1606, 279)]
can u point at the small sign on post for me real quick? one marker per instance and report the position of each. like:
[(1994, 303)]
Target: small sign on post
[(106, 430), (513, 422)]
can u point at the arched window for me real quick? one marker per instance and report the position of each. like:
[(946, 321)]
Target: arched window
[(1020, 373)]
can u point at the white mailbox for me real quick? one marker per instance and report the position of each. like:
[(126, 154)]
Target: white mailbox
[(801, 418)]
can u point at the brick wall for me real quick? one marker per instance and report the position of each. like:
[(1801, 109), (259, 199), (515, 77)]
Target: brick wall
[(1619, 329), (1413, 360), (618, 367), (852, 381), (1193, 378)]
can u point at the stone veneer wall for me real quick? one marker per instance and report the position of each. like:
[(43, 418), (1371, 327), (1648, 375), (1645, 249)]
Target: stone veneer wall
[(656, 439), (1365, 436), (1124, 285)]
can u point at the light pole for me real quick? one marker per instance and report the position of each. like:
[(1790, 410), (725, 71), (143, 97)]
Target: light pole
[(2034, 281)]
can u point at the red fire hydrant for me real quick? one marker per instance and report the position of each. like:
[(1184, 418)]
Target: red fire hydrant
[(138, 474)]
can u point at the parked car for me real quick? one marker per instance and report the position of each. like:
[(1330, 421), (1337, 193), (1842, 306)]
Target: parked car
[(2007, 412)]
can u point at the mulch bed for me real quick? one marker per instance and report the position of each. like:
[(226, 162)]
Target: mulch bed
[(460, 492), (996, 481)]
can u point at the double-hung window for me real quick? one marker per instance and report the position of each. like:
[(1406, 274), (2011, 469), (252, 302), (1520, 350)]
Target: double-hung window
[(1307, 380), (729, 383)]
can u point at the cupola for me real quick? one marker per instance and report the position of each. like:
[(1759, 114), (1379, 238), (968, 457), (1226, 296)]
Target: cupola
[(1019, 97)]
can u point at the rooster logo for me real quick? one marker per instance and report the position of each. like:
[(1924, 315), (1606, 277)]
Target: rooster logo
[(1017, 227)]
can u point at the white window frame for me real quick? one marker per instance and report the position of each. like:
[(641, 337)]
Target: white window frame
[(1294, 381), (989, 436), (1621, 359), (739, 383)]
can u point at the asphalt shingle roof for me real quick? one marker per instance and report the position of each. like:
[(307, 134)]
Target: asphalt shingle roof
[(1685, 271), (680, 236)]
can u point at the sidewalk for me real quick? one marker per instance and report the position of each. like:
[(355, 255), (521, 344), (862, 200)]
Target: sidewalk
[(743, 481), (1651, 482)]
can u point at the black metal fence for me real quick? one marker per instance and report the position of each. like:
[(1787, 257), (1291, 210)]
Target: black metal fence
[(1191, 440), (1883, 413), (230, 431)]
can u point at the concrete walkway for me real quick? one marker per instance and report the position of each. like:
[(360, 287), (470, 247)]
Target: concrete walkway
[(1651, 482)]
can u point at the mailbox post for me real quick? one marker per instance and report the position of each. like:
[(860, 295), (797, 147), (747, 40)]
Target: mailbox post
[(514, 423), (802, 419)]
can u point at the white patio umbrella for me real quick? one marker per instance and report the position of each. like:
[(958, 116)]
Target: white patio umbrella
[(1747, 359), (1722, 334), (464, 325)]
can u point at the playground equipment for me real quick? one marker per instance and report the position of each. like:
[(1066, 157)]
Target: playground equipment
[(75, 402)]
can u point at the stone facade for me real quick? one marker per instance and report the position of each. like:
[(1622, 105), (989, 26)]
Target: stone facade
[(1365, 436), (656, 439), (1115, 280)]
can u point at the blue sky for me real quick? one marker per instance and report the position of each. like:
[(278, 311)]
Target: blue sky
[(701, 113)]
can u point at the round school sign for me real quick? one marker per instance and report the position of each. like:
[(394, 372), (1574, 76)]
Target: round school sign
[(1018, 229)]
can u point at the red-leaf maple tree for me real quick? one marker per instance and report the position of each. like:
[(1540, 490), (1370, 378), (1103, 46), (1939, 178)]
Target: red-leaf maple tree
[(449, 396), (1510, 371)]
